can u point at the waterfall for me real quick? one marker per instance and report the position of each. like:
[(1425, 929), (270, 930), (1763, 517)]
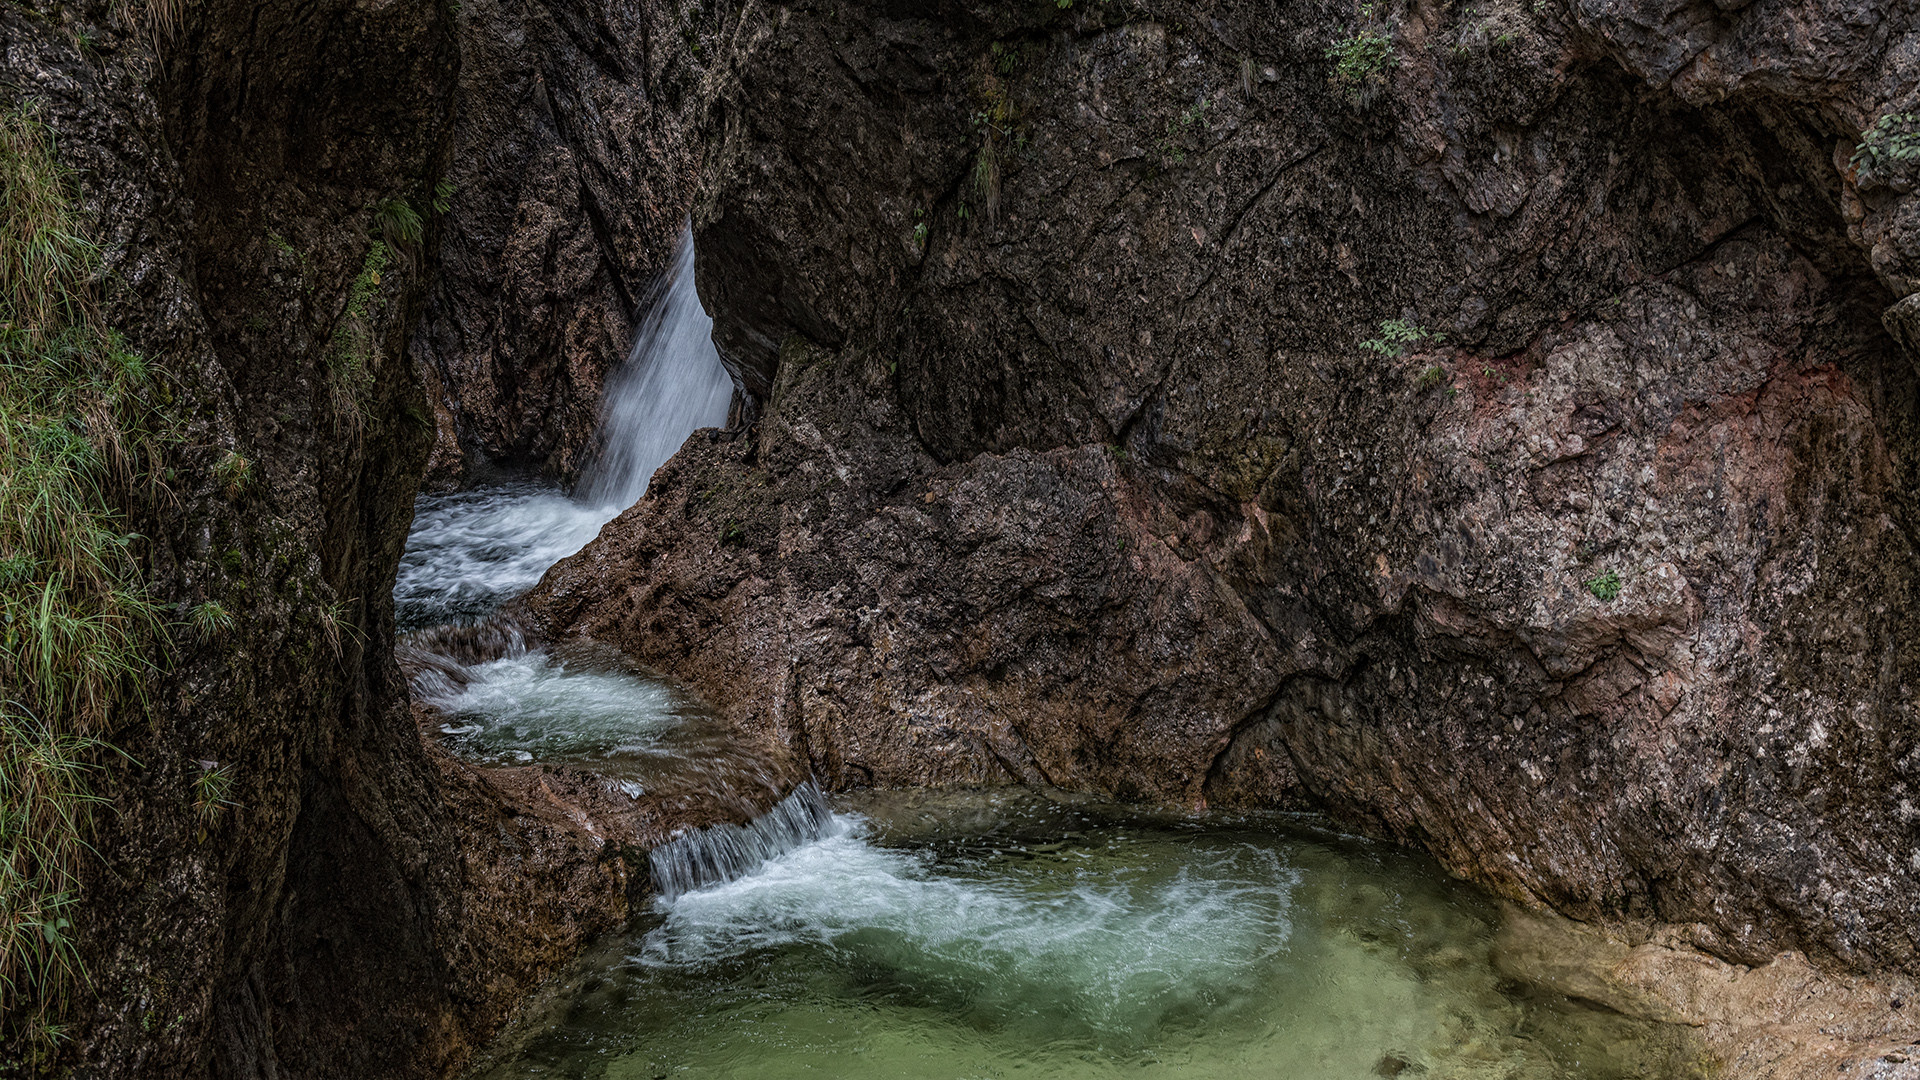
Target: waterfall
[(470, 551), (724, 852), (671, 385)]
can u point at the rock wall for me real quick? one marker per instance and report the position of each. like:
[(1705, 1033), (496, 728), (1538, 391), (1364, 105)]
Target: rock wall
[(569, 183), (339, 899), (1500, 447)]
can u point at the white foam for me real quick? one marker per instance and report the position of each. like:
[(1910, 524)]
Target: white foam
[(530, 707), (671, 385), (1113, 951)]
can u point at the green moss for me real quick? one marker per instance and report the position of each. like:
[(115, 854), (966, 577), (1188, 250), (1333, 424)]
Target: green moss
[(76, 625)]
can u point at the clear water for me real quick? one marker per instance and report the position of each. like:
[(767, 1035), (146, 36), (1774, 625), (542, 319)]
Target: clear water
[(955, 936), (1004, 935), (471, 551)]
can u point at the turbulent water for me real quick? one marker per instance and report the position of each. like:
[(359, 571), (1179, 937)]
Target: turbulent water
[(974, 936), (673, 383), (580, 707), (471, 551)]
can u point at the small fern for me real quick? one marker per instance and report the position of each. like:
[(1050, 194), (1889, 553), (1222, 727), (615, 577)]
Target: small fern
[(1398, 335), (1893, 140)]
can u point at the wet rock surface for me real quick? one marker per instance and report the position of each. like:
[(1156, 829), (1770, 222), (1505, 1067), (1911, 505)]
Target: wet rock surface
[(1784, 1020), (228, 171), (1503, 451)]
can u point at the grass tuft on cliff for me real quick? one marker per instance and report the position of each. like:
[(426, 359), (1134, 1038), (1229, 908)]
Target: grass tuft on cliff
[(75, 623)]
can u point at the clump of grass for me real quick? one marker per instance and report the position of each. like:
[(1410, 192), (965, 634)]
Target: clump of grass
[(400, 224), (212, 796), (234, 472), (995, 123), (210, 619), (336, 626), (402, 230), (161, 18), (350, 351), (75, 622)]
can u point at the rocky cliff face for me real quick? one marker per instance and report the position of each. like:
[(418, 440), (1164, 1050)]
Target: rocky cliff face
[(289, 882), (1479, 423), (235, 180), (570, 178)]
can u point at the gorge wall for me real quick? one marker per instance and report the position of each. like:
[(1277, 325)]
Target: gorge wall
[(289, 882), (1495, 442)]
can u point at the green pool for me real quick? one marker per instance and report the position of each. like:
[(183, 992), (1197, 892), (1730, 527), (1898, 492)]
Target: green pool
[(1005, 934)]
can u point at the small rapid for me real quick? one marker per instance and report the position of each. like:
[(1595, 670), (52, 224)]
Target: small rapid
[(583, 706), (1110, 954), (726, 852), (505, 703)]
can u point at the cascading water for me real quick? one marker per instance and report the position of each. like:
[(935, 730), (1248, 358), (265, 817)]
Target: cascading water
[(672, 385), (723, 853), (471, 551)]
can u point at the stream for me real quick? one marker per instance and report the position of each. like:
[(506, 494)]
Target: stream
[(963, 935)]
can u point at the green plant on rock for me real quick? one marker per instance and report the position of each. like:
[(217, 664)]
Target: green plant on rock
[(1892, 141), (1605, 586), (400, 225), (1362, 59), (234, 472), (336, 626), (1172, 145), (350, 351), (1397, 336), (212, 796), (76, 626), (210, 619)]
